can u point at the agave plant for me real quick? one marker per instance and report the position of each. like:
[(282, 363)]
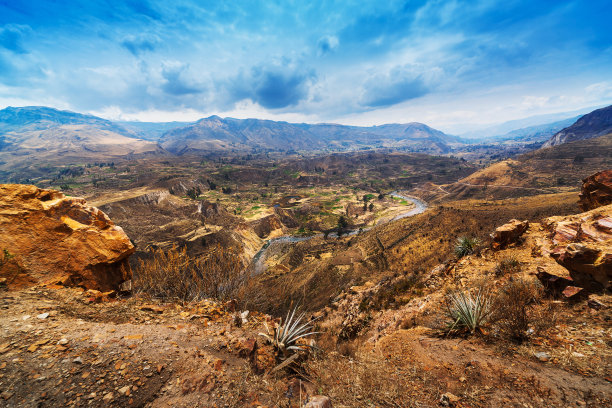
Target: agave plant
[(284, 335), (467, 311), (465, 246)]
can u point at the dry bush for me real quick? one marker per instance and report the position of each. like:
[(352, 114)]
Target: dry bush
[(352, 382), (507, 265), (518, 309), (174, 274)]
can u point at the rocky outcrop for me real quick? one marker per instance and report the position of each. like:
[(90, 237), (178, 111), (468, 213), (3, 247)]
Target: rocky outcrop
[(58, 239), (582, 243), (266, 225), (509, 233), (596, 190)]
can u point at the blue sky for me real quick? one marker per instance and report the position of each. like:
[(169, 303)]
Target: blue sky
[(451, 64)]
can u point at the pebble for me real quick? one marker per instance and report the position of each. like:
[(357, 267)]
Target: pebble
[(542, 356), (124, 390), (43, 316), (108, 397), (63, 342), (78, 360)]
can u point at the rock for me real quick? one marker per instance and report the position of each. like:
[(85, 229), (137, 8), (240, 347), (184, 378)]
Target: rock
[(596, 190), (244, 316), (42, 316), (582, 243), (125, 390), (108, 397), (574, 293), (449, 400), (589, 266), (508, 234), (542, 356), (62, 239), (247, 348), (63, 341), (319, 401), (594, 304), (552, 283), (78, 360)]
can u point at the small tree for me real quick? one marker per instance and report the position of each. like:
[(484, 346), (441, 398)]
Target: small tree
[(342, 224)]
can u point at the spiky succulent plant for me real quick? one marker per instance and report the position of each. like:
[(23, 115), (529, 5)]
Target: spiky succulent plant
[(284, 335), (466, 246), (467, 311)]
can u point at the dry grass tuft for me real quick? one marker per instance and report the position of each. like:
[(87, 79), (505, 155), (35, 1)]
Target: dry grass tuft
[(519, 311), (507, 266), (173, 274)]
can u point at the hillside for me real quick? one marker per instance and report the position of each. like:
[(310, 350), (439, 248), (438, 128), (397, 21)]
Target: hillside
[(40, 136), (227, 134), (551, 169), (594, 124)]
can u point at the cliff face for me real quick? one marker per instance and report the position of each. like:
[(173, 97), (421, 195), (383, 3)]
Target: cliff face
[(52, 238)]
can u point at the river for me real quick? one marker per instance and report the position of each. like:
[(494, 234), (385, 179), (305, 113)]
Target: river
[(260, 257)]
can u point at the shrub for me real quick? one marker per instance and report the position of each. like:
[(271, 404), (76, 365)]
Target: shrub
[(507, 265), (174, 274), (284, 336), (514, 310), (465, 246), (467, 312)]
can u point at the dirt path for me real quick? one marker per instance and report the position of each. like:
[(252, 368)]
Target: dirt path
[(57, 350)]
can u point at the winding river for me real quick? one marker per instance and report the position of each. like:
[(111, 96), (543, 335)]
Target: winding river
[(258, 262)]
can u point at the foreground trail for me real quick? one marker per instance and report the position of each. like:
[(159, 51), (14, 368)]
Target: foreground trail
[(58, 349)]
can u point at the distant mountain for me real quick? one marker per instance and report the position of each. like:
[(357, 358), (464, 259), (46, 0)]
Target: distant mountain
[(534, 134), (531, 121), (218, 134), (35, 133), (594, 124)]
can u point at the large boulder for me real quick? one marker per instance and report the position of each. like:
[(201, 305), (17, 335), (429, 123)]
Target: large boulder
[(582, 243), (509, 233), (596, 190), (59, 239)]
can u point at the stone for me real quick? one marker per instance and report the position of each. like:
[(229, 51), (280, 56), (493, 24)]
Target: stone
[(589, 266), (63, 341), (108, 397), (594, 304), (124, 390), (449, 400), (596, 190), (78, 360), (243, 316), (582, 243), (542, 356), (319, 401), (574, 293), (42, 316), (552, 283), (55, 238), (508, 234)]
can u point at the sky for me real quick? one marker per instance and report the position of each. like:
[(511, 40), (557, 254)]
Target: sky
[(454, 65)]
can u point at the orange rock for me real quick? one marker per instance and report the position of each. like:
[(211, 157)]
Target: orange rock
[(596, 190), (509, 233), (61, 239)]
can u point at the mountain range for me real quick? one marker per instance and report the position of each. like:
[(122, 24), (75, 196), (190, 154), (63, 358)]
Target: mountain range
[(596, 123), (42, 133)]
